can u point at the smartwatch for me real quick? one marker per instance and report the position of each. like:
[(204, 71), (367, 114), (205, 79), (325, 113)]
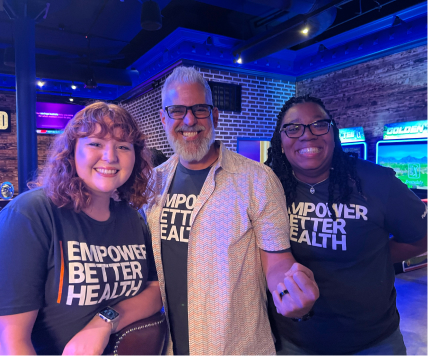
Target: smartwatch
[(109, 315)]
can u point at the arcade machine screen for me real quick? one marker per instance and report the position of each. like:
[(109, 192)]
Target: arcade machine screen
[(404, 149), (408, 158), (352, 139), (359, 148), (253, 148)]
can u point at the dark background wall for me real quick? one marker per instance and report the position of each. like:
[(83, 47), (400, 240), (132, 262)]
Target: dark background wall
[(8, 145), (262, 98), (372, 94)]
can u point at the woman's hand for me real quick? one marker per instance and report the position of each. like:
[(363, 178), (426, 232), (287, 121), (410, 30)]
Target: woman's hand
[(91, 340), (94, 337)]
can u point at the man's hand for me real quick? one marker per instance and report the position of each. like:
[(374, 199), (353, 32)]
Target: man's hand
[(91, 340), (302, 292)]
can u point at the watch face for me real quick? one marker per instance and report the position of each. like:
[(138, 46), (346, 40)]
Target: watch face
[(109, 313)]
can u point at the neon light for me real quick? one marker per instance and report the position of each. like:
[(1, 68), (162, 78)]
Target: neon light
[(410, 129), (352, 134)]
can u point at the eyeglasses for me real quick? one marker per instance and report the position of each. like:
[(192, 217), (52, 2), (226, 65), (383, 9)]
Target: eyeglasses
[(178, 112), (317, 128)]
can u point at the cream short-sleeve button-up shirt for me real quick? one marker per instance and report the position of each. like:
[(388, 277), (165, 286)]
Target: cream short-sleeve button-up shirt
[(240, 210)]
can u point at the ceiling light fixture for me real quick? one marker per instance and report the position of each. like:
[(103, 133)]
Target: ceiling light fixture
[(305, 30), (71, 99), (238, 60), (151, 18), (73, 86), (40, 83)]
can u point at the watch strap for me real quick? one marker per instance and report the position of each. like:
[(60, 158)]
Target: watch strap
[(304, 317)]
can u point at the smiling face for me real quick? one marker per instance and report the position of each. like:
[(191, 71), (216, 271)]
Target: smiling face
[(191, 138), (104, 164), (310, 156)]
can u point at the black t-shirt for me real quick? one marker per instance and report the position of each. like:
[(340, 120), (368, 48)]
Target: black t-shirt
[(175, 228), (68, 265), (351, 261)]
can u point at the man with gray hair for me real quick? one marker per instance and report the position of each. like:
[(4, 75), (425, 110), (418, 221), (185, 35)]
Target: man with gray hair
[(220, 229)]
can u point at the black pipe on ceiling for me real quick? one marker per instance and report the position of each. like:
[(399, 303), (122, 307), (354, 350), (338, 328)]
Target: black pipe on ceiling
[(320, 16)]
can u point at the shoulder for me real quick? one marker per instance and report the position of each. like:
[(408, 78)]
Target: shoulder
[(252, 175), (30, 211), (162, 171), (372, 171), (30, 202), (236, 163), (167, 165)]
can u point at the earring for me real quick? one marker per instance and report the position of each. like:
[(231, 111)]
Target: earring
[(282, 150)]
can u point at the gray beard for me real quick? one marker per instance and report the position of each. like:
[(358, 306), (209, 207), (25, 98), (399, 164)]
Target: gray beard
[(192, 151)]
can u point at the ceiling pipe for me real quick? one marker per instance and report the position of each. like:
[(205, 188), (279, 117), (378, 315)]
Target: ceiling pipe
[(297, 7), (288, 33)]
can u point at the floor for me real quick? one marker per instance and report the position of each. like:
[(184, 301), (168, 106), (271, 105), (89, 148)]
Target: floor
[(412, 305)]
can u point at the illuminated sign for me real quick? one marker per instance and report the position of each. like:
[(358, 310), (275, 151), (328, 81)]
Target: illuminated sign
[(5, 121), (49, 132), (352, 134), (411, 129)]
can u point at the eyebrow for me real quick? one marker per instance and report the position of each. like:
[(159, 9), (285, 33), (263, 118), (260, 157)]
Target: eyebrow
[(317, 117)]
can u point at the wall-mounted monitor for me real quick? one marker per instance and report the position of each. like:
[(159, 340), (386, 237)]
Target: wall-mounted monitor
[(53, 117), (408, 158), (253, 148)]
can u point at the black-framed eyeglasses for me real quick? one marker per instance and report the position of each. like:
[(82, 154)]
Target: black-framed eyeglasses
[(178, 112), (317, 128)]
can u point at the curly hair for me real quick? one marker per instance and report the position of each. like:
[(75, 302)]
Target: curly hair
[(58, 176), (343, 171)]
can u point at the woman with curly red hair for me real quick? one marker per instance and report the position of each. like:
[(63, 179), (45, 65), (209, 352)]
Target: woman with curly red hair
[(77, 265)]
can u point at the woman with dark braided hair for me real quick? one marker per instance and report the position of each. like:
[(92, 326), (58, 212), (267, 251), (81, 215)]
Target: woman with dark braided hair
[(342, 211)]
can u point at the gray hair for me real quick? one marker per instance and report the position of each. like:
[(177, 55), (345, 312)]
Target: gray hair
[(186, 75)]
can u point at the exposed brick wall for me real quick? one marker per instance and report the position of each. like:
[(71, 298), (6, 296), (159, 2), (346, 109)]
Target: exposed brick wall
[(8, 145), (385, 90), (145, 110), (262, 98)]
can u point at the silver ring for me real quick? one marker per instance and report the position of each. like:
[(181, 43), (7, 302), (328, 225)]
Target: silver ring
[(284, 292)]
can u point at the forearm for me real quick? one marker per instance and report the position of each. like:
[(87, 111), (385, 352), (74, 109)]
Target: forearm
[(275, 270), (15, 333), (143, 305), (403, 251), (93, 338), (10, 346)]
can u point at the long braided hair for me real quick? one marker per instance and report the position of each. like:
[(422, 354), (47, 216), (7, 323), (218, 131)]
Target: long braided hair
[(342, 171)]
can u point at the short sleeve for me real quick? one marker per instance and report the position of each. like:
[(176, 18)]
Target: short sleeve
[(406, 216), (152, 275), (269, 210), (24, 250)]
